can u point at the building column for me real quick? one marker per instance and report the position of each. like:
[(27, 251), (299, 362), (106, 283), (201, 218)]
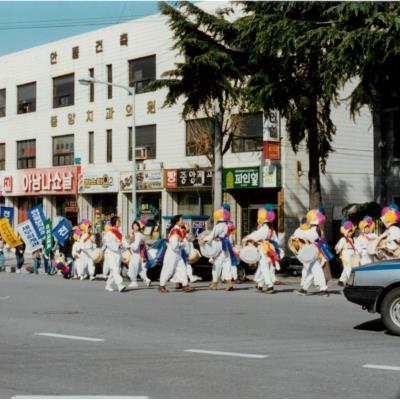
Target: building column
[(124, 207), (85, 206), (48, 207)]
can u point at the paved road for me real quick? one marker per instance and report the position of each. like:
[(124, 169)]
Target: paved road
[(316, 346)]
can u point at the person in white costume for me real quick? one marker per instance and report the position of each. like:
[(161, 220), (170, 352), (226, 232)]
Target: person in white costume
[(106, 264), (267, 241), (136, 245), (76, 253), (391, 219), (113, 245), (87, 245), (173, 263), (366, 236), (222, 263), (312, 272), (346, 249)]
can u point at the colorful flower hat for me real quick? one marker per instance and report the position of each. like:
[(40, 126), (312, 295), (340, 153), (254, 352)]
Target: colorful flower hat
[(265, 214), (390, 215), (141, 222), (107, 226), (347, 227), (223, 213), (315, 217), (77, 234), (84, 225), (231, 227), (367, 222), (304, 225)]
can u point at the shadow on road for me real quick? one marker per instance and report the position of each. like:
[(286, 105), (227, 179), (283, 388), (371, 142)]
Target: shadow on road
[(375, 325)]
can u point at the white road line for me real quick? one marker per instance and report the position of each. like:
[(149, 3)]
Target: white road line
[(386, 367), (224, 353), (4, 298), (56, 335), (80, 397)]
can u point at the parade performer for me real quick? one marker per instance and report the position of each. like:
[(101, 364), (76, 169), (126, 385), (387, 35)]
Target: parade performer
[(267, 241), (106, 266), (87, 245), (222, 263), (173, 262), (188, 249), (367, 235), (231, 231), (137, 247), (113, 244), (311, 233), (390, 216), (76, 254), (346, 249)]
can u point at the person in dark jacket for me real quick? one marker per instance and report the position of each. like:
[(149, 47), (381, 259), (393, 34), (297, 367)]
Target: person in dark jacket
[(19, 256)]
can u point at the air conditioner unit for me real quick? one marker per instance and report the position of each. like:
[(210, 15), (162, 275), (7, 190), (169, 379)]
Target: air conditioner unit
[(141, 153)]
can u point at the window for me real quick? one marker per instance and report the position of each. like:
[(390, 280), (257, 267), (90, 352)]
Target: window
[(91, 86), (396, 134), (199, 136), (248, 133), (63, 150), (145, 142), (109, 145), (109, 79), (2, 156), (2, 102), (26, 154), (63, 91), (195, 202), (26, 98), (91, 147), (142, 71)]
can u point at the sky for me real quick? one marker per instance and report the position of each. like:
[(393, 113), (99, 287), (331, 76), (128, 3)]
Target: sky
[(25, 24)]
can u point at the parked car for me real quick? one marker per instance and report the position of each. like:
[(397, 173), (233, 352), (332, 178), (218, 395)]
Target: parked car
[(376, 287)]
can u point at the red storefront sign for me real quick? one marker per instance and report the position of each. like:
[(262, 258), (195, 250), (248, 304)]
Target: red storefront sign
[(272, 150), (171, 178), (43, 181)]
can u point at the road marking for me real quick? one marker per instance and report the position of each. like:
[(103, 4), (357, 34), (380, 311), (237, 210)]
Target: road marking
[(224, 353), (88, 339), (80, 397), (4, 298), (386, 367)]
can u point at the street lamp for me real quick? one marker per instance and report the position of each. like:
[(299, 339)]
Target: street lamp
[(131, 91)]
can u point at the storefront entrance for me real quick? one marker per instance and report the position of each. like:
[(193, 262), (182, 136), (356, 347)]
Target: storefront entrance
[(105, 205), (24, 204), (67, 207)]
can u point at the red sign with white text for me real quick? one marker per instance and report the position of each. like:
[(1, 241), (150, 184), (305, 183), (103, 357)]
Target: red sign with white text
[(42, 181)]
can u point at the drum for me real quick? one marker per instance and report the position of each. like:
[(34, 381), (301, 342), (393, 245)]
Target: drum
[(295, 244), (249, 254), (194, 256), (210, 249), (355, 260), (126, 256), (97, 255), (372, 247), (308, 254)]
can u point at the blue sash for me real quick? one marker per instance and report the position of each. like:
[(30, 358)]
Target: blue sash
[(184, 256), (276, 246), (227, 245), (325, 249)]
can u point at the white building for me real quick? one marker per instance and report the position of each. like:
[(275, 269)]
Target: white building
[(67, 145)]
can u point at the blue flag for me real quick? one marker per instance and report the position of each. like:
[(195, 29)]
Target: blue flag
[(62, 230), (37, 217), (7, 212)]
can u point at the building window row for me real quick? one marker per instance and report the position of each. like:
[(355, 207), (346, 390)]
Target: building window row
[(247, 132), (142, 72)]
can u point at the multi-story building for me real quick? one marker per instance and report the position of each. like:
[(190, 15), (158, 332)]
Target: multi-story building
[(68, 146)]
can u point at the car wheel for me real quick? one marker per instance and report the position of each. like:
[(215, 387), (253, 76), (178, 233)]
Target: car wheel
[(390, 311)]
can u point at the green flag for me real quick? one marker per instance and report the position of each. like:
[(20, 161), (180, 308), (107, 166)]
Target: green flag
[(48, 236)]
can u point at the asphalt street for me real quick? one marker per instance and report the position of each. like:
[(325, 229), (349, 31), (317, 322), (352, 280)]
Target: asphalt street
[(204, 344)]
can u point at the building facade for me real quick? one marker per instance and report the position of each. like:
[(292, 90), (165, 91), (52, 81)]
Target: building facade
[(68, 146)]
